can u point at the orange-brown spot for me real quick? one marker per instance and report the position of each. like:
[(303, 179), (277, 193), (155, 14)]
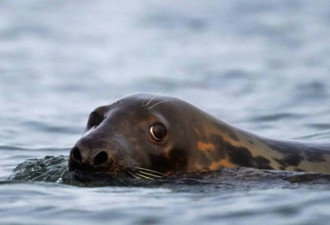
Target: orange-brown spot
[(167, 153), (204, 147), (221, 163)]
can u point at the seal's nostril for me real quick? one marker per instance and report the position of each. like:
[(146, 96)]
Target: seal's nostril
[(101, 158), (76, 154)]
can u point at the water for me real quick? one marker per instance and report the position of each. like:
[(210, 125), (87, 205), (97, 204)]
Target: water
[(260, 65)]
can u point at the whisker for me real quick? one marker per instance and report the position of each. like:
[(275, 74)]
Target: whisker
[(141, 175), (150, 171), (157, 104), (144, 100), (133, 175), (150, 100), (149, 174)]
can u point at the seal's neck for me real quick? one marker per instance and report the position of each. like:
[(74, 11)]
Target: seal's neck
[(220, 144)]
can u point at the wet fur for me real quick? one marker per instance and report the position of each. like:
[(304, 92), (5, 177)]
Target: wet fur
[(197, 141)]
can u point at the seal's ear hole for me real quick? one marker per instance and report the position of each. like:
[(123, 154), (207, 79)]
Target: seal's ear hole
[(94, 120), (158, 131)]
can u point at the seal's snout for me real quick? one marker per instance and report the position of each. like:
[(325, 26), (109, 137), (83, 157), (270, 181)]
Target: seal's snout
[(99, 159), (75, 155), (83, 158)]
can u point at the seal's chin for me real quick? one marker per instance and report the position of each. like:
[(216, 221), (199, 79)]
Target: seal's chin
[(95, 176), (89, 173), (135, 172)]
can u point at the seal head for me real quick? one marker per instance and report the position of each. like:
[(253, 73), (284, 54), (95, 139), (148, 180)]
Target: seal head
[(138, 131)]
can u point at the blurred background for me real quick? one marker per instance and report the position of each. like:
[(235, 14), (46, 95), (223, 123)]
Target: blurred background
[(261, 65)]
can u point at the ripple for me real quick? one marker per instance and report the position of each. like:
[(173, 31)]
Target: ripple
[(315, 136), (277, 116), (43, 126)]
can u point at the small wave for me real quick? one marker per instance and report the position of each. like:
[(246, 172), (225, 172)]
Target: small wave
[(277, 117), (48, 169), (54, 169), (316, 136), (38, 125)]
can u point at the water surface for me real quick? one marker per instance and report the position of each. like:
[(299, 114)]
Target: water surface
[(260, 65)]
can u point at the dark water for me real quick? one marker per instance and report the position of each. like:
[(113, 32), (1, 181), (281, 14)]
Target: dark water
[(260, 65)]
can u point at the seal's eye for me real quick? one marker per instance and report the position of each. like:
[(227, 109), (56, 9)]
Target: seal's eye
[(94, 119), (158, 131)]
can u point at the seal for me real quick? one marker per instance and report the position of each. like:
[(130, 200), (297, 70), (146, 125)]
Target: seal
[(148, 136)]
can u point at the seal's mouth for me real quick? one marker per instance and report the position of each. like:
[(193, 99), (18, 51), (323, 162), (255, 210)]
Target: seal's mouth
[(125, 172), (115, 171), (87, 176), (84, 173)]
